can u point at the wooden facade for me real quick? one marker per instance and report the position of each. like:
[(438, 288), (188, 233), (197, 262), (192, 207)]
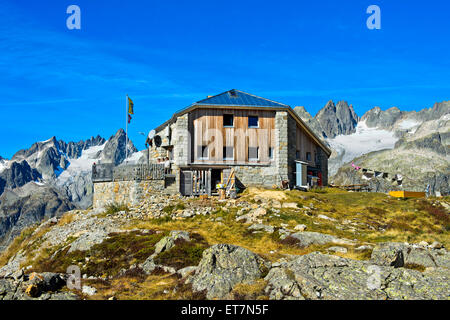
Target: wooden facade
[(304, 145), (207, 129)]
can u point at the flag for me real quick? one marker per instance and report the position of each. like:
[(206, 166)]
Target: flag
[(129, 118), (130, 106)]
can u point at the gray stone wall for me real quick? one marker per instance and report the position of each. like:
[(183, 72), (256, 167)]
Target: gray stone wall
[(130, 193), (281, 146), (181, 140), (265, 176), (292, 149)]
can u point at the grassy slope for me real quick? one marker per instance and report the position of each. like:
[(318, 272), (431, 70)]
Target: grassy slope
[(364, 217)]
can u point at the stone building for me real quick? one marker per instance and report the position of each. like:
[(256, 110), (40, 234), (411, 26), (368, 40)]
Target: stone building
[(264, 141)]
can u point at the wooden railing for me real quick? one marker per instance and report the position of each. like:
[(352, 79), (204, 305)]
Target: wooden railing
[(107, 172)]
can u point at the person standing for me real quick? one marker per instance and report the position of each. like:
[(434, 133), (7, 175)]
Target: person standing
[(167, 166)]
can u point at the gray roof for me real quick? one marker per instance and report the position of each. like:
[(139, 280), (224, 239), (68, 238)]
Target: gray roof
[(235, 97)]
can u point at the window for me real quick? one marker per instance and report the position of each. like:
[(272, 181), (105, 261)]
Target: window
[(297, 154), (270, 153), (308, 156), (202, 152), (228, 120), (253, 122), (253, 153), (228, 153)]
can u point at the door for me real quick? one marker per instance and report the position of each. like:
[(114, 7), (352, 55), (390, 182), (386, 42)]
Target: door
[(186, 183)]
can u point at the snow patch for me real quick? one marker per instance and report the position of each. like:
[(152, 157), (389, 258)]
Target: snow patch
[(82, 164), (3, 165), (408, 124), (363, 141), (135, 157)]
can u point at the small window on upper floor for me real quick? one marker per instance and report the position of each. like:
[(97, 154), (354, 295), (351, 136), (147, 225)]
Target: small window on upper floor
[(253, 153), (253, 122), (228, 153), (202, 153), (270, 153), (228, 120), (297, 154), (308, 156)]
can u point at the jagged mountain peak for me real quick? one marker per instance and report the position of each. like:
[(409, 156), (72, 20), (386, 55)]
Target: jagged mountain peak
[(114, 151), (336, 119)]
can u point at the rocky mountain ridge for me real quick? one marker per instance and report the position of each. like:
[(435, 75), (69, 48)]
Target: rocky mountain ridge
[(55, 172), (403, 142)]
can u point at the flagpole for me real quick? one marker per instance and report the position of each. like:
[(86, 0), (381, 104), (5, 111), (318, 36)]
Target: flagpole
[(126, 129)]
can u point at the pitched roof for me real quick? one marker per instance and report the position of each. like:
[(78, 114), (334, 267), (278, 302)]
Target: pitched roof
[(234, 99), (239, 98)]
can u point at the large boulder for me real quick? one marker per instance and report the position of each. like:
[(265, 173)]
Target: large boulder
[(306, 238), (319, 276), (398, 254), (223, 266)]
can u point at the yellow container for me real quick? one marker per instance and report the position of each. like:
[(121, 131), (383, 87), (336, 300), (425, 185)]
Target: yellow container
[(406, 194)]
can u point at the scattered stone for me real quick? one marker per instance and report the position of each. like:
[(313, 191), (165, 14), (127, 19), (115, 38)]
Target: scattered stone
[(186, 271), (338, 249), (90, 291), (437, 245), (253, 215), (324, 217), (300, 227), (283, 233), (262, 227), (364, 247), (290, 205), (306, 238)]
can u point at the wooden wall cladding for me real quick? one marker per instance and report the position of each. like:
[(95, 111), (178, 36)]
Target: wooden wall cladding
[(207, 130)]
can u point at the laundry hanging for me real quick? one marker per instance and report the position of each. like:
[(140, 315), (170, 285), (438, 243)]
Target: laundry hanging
[(355, 166)]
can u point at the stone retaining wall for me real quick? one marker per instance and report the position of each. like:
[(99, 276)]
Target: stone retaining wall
[(263, 176), (124, 192)]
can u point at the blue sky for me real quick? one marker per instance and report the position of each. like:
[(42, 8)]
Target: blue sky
[(169, 54)]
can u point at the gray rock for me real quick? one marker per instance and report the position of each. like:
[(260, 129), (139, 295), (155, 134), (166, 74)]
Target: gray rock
[(338, 249), (90, 291), (307, 238), (186, 271), (168, 242), (223, 266), (300, 227), (400, 254), (253, 216), (318, 276), (261, 227)]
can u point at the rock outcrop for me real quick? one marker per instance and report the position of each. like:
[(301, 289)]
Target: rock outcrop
[(318, 276), (223, 266)]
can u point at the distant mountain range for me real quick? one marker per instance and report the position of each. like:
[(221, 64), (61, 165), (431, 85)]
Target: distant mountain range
[(52, 177)]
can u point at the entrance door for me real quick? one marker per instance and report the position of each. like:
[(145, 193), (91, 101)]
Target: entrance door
[(186, 183)]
